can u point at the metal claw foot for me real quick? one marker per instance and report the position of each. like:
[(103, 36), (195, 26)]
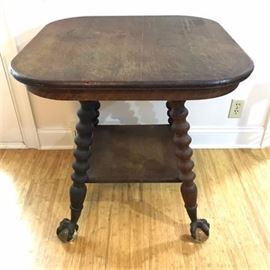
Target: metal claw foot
[(199, 230), (67, 230)]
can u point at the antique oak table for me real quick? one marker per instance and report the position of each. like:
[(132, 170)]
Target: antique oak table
[(172, 58)]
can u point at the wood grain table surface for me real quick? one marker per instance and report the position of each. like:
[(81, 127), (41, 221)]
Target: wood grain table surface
[(150, 57)]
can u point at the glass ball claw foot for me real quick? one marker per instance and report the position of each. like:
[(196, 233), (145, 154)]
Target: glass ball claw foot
[(67, 230), (199, 230)]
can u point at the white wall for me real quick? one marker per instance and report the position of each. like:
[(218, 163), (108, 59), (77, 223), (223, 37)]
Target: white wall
[(247, 21), (10, 133)]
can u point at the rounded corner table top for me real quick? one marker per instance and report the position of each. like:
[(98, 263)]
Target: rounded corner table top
[(132, 57)]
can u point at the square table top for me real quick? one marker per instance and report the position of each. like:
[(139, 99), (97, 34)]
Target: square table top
[(97, 55)]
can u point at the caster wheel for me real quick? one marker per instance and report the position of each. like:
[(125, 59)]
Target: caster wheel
[(199, 230), (67, 230)]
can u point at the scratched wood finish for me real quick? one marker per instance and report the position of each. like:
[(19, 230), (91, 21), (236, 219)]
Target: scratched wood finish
[(169, 57), (135, 153), (144, 93), (135, 226)]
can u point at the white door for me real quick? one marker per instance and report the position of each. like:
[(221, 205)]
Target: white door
[(10, 133), (266, 137)]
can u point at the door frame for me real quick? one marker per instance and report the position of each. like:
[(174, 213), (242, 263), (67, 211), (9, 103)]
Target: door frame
[(266, 134), (18, 92)]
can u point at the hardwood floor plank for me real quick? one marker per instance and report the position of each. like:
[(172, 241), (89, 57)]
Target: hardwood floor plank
[(135, 226)]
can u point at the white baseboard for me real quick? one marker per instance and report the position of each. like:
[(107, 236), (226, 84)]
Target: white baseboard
[(12, 145), (202, 137), (208, 137), (55, 138), (266, 138)]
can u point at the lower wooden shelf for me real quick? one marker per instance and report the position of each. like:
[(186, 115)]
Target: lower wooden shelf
[(137, 153)]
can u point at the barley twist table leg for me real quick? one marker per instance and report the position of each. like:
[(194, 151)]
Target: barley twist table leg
[(97, 106), (185, 165), (168, 112), (87, 118)]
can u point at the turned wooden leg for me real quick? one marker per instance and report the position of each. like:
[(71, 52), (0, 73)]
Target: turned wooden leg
[(87, 118), (168, 113), (97, 106), (185, 165)]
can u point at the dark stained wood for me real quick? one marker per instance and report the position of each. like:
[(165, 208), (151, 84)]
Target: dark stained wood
[(181, 139), (131, 94), (136, 153), (97, 106), (168, 113), (173, 58), (87, 119), (80, 58)]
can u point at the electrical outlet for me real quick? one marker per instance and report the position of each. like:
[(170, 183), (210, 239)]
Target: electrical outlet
[(236, 108)]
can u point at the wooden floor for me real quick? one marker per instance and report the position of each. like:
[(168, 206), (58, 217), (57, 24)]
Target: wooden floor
[(135, 226)]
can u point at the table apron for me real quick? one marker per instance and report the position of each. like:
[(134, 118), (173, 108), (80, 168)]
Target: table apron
[(131, 94)]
